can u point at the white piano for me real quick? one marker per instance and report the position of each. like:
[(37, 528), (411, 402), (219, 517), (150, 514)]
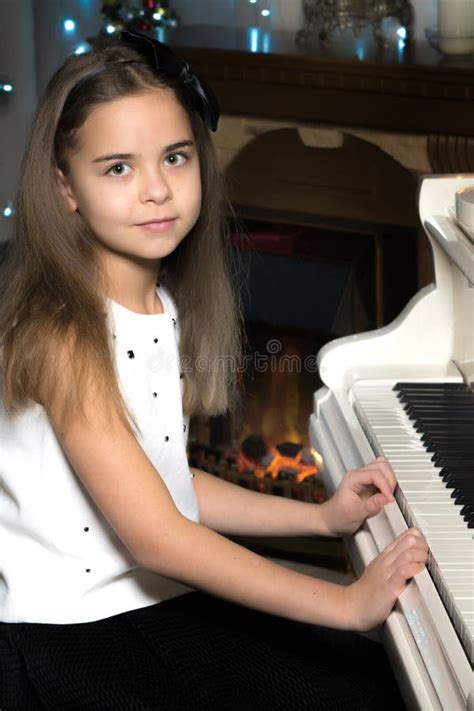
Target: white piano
[(358, 415)]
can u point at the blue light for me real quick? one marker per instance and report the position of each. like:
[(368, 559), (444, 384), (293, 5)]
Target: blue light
[(82, 48), (360, 50), (69, 25), (252, 2), (265, 13), (266, 42), (110, 29), (7, 88), (253, 38), (402, 33), (8, 210)]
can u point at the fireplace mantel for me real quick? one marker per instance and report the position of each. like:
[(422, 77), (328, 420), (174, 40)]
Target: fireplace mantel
[(259, 73)]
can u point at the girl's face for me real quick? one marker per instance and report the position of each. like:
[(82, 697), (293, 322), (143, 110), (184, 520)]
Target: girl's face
[(136, 162)]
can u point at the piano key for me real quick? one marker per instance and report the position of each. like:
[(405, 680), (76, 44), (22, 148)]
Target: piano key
[(446, 449), (436, 408)]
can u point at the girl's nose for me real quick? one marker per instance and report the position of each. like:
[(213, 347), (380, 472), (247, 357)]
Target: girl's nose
[(155, 187)]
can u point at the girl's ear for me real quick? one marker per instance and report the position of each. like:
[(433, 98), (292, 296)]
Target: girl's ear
[(66, 191)]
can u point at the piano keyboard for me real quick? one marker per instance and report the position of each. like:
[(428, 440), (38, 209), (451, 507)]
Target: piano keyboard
[(432, 457)]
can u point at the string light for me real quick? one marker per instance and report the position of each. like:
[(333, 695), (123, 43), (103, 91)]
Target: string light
[(266, 42), (82, 48), (110, 29), (6, 87), (69, 25), (265, 13), (8, 210), (253, 33)]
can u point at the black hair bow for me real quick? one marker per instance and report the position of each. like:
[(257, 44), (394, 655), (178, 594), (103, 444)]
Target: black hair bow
[(163, 61)]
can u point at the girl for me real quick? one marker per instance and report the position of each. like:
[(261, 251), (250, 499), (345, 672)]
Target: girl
[(117, 589)]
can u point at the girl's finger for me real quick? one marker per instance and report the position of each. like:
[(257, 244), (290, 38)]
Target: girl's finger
[(374, 504), (375, 477), (407, 571), (386, 468), (411, 555), (410, 532)]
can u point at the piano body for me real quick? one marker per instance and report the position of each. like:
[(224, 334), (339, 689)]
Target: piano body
[(357, 415)]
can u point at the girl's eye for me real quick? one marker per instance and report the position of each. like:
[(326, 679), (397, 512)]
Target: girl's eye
[(176, 159), (118, 169)]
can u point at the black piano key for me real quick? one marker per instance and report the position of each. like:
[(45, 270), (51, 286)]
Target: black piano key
[(455, 482), (427, 387), (461, 486), (462, 471), (455, 474), (424, 398), (454, 448), (428, 437), (438, 444), (460, 481), (451, 480), (458, 474), (461, 417), (433, 395), (439, 389), (467, 512), (451, 419), (445, 400), (434, 407), (464, 498), (446, 427), (452, 463), (458, 462), (458, 487)]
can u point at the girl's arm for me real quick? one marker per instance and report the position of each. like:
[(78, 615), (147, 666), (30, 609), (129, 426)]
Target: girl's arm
[(134, 499), (230, 509), (233, 510)]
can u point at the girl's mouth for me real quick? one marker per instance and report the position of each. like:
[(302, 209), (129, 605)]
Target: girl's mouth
[(158, 226)]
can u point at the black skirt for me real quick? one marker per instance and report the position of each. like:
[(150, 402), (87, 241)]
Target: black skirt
[(193, 652)]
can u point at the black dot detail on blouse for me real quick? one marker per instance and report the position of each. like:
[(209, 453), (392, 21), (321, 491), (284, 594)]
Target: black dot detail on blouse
[(174, 321), (155, 340), (88, 570), (184, 428), (86, 529), (131, 354), (166, 438), (181, 376), (155, 394)]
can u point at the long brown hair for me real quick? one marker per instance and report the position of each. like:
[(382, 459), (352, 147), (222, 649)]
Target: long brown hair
[(50, 279)]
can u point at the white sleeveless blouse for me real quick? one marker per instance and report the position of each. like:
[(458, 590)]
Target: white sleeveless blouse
[(60, 560)]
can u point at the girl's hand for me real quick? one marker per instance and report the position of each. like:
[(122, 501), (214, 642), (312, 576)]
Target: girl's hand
[(371, 598), (361, 494)]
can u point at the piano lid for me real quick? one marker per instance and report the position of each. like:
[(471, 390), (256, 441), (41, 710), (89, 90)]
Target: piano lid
[(439, 218)]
